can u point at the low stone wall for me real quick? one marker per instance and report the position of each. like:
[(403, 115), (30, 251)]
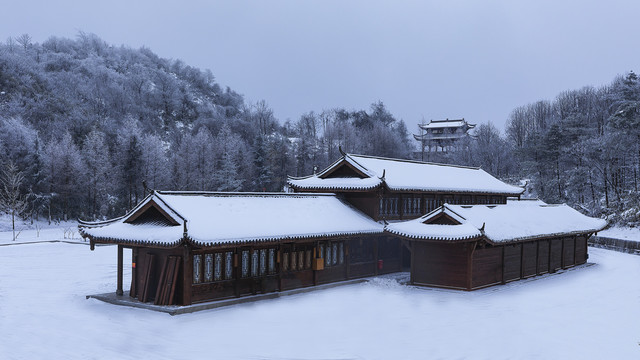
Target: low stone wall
[(627, 246)]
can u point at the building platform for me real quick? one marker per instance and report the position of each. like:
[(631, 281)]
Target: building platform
[(125, 300)]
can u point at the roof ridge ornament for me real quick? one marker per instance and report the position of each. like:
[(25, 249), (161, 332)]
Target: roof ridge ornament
[(185, 229), (384, 173), (341, 151)]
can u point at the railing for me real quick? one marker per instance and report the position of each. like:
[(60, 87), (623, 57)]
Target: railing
[(627, 246)]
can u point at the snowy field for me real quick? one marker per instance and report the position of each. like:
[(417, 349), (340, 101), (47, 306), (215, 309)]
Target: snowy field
[(589, 313), (40, 231)]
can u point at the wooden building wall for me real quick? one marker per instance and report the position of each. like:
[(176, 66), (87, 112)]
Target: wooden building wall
[(295, 265), (457, 265), (477, 265), (383, 204), (440, 264)]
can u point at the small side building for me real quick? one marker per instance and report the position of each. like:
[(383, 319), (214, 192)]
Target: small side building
[(191, 247), (474, 246)]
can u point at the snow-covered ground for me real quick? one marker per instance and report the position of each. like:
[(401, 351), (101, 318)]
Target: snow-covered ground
[(39, 231), (621, 233), (588, 312)]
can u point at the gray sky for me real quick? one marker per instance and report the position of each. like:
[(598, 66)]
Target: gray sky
[(431, 59)]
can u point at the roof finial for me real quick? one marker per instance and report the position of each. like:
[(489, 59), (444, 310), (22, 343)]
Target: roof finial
[(340, 149), (185, 228), (383, 173)]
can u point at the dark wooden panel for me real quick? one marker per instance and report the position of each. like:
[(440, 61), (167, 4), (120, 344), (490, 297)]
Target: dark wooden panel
[(512, 262), (529, 258), (487, 267), (555, 255), (245, 286), (213, 291), (390, 266), (331, 274), (367, 202), (581, 250), (569, 252), (440, 264), (543, 256), (363, 269), (297, 279), (389, 248)]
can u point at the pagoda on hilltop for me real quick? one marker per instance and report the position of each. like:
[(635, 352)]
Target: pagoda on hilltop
[(443, 135)]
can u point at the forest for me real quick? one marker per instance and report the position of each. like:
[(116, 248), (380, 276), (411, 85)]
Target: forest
[(88, 128)]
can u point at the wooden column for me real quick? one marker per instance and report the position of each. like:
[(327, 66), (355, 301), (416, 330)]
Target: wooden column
[(375, 255), (134, 278), (537, 257), (504, 264), (237, 265), (119, 291), (471, 249), (521, 260), (562, 266), (281, 268), (187, 279), (347, 262), (412, 270), (551, 270)]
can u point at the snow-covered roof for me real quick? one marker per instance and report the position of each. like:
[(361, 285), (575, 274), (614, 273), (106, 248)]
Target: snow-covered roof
[(330, 184), (438, 124), (406, 175), (219, 218), (515, 221)]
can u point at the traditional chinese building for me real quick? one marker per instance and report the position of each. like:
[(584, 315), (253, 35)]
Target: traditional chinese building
[(474, 246), (442, 135), (193, 247), (395, 189)]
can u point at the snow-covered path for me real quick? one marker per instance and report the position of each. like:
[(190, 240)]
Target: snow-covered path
[(589, 313)]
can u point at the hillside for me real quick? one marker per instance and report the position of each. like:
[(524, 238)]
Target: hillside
[(93, 127)]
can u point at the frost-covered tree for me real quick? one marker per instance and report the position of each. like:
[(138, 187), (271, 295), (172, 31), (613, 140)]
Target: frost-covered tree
[(99, 172), (65, 175), (154, 162), (229, 148), (12, 200)]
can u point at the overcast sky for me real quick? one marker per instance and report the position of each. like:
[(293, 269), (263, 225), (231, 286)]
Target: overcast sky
[(431, 59)]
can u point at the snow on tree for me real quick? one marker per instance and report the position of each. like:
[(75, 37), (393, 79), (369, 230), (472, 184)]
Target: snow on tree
[(98, 163), (11, 199)]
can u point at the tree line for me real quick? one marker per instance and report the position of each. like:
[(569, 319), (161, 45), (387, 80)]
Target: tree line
[(91, 128), (583, 148)]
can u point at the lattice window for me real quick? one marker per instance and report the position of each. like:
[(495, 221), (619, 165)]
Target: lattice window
[(228, 264), (208, 267), (197, 269), (285, 261), (307, 263), (334, 258), (263, 262), (254, 263), (327, 260), (341, 253), (300, 260), (321, 250), (245, 263), (218, 267), (294, 261), (272, 261)]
